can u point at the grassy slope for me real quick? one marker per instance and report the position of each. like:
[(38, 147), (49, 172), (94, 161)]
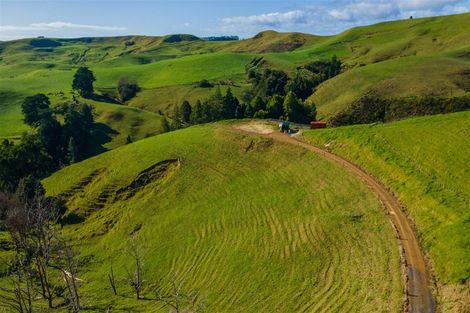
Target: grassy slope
[(411, 57), (250, 229), (420, 56), (425, 162)]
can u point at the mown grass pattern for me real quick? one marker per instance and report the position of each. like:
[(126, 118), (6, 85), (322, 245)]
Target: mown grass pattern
[(268, 230)]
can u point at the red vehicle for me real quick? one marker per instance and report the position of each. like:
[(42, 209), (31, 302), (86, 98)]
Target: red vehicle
[(315, 125)]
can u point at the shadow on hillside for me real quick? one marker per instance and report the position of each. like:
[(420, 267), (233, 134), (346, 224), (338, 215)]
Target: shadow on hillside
[(105, 97), (72, 219), (102, 134)]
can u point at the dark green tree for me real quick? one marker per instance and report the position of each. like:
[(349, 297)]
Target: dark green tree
[(275, 106), (127, 89), (272, 82), (197, 113), (261, 114), (213, 106), (19, 160), (302, 84), (185, 111), (50, 133), (79, 124), (28, 188), (83, 82), (258, 104), (249, 111), (36, 108), (296, 111), (240, 111), (230, 104), (209, 112), (165, 125)]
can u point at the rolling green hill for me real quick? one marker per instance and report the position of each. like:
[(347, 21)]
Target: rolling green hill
[(249, 224), (426, 56), (425, 162)]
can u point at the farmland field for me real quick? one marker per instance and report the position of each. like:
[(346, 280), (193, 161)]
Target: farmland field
[(241, 222), (409, 57), (425, 162)]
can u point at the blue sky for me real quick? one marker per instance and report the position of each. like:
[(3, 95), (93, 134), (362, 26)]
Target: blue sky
[(73, 18)]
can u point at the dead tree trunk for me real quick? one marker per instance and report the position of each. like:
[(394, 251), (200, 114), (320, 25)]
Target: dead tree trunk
[(136, 278), (112, 280)]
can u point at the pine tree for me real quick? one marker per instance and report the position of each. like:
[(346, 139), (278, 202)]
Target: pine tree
[(185, 112), (197, 113), (230, 105), (165, 125)]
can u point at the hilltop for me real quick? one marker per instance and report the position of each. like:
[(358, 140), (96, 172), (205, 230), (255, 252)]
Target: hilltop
[(394, 59), (232, 216)]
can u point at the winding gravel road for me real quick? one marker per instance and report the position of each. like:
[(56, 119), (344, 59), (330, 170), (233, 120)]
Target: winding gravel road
[(418, 295)]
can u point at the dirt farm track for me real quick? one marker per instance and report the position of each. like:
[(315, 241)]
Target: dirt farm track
[(418, 295)]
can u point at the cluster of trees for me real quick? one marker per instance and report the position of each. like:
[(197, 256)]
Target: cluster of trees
[(50, 144), (83, 83), (127, 88), (43, 265), (371, 108), (273, 94), (220, 107), (66, 142), (268, 82)]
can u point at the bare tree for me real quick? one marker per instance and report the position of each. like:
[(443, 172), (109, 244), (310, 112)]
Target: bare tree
[(135, 278), (68, 265), (31, 226), (177, 300), (17, 292), (31, 220)]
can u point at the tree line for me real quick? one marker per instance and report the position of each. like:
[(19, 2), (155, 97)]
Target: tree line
[(273, 94), (58, 136), (372, 108)]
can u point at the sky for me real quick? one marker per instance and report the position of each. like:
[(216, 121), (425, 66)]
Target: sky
[(245, 18)]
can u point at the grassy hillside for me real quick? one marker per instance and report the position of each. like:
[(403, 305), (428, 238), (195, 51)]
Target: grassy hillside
[(425, 162), (410, 57), (426, 56), (252, 225)]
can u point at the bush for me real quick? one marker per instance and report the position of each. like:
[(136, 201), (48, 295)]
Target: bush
[(204, 84), (127, 89), (370, 109)]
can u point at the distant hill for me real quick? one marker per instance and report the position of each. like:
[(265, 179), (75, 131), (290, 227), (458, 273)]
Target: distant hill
[(272, 41), (427, 56)]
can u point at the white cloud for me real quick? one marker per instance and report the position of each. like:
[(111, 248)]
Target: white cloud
[(361, 11), (338, 15), (275, 19), (424, 4), (57, 25)]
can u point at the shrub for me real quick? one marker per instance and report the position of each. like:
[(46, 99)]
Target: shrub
[(204, 84), (370, 108), (127, 89)]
